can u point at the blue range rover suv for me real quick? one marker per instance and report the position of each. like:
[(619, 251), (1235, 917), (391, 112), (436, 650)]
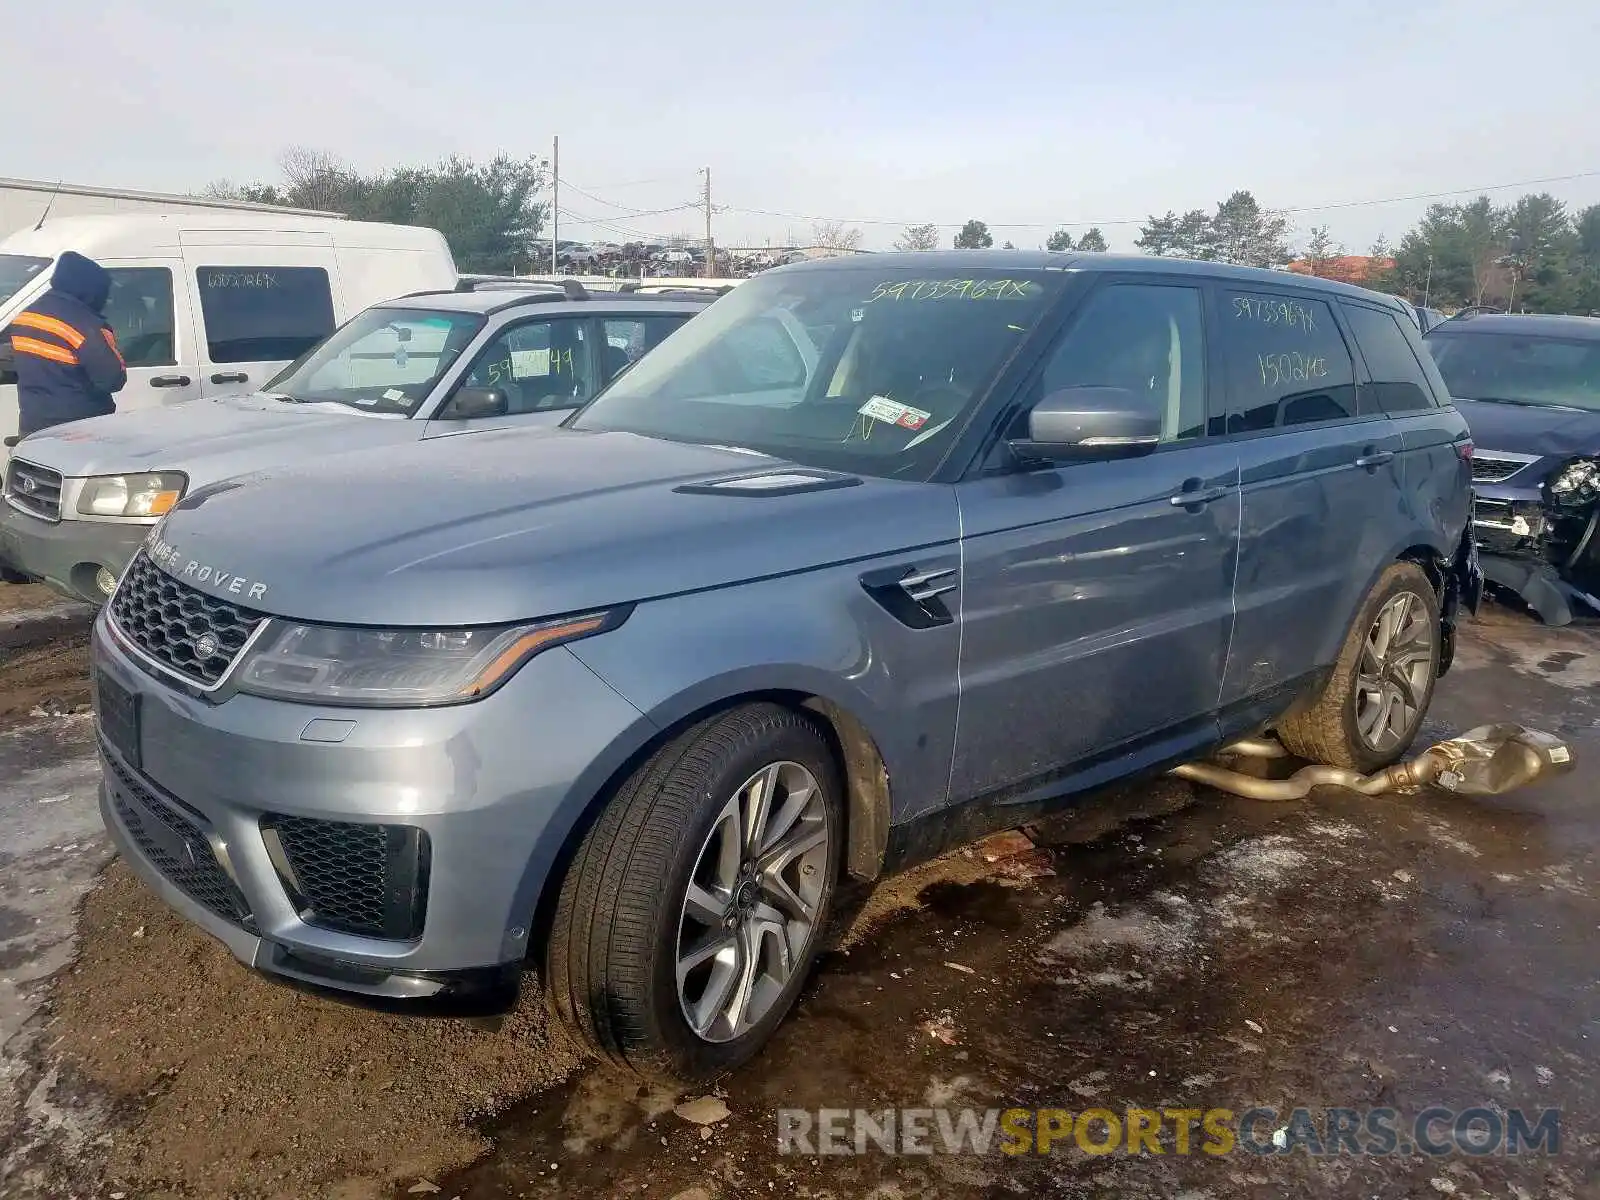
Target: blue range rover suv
[(871, 557)]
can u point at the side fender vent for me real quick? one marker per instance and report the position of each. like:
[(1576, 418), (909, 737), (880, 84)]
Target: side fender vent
[(914, 596)]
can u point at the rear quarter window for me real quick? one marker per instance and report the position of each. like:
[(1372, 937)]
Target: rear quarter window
[(1399, 382), (263, 314), (1285, 360)]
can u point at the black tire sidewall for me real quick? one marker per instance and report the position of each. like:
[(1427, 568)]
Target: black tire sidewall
[(688, 1055), (1394, 583)]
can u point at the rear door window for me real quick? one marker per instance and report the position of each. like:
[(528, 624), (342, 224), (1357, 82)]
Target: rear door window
[(1399, 384), (263, 314), (140, 312), (1286, 362), (628, 339)]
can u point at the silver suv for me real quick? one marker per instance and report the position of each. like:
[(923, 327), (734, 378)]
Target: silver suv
[(80, 498), (872, 557)]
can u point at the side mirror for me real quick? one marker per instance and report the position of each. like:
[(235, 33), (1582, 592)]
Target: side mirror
[(472, 403), (1089, 423)]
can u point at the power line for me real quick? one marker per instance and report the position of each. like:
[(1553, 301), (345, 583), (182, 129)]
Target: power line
[(605, 223), (1104, 221)]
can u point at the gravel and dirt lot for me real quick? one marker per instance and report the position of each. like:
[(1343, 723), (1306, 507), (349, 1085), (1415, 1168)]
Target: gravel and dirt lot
[(1210, 952)]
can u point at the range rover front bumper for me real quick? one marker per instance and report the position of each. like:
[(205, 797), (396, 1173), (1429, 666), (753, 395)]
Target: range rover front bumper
[(393, 854)]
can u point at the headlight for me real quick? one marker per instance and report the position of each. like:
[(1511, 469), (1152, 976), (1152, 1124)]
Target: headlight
[(401, 667), (151, 495), (1577, 482)]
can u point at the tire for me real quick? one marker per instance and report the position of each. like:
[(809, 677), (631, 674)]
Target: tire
[(623, 917), (1335, 729)]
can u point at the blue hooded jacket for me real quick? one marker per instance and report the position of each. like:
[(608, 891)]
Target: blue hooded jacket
[(64, 353)]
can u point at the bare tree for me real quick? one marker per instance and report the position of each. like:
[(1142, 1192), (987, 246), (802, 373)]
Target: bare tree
[(918, 237), (316, 178), (833, 235)]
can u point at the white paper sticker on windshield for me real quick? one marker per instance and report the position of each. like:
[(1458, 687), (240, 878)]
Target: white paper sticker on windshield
[(892, 412), (525, 364), (394, 394), (368, 401)]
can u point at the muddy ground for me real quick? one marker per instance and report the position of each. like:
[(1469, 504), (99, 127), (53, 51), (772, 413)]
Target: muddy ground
[(1214, 953)]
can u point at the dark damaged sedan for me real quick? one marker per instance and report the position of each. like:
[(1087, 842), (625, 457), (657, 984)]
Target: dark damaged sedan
[(1529, 387)]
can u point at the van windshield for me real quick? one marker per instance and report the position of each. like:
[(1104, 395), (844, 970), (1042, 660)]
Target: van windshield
[(850, 368), (17, 271), (383, 360)]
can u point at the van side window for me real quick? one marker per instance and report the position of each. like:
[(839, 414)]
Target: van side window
[(1146, 338), (1398, 382), (1287, 362), (262, 314), (139, 311)]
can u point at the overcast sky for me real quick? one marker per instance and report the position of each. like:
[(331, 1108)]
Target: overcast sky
[(1024, 115)]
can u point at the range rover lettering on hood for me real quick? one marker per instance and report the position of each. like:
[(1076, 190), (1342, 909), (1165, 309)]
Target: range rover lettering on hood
[(172, 560)]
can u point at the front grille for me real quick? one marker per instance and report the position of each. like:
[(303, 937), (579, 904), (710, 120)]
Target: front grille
[(1495, 468), (173, 840), (368, 880), (196, 635), (34, 490)]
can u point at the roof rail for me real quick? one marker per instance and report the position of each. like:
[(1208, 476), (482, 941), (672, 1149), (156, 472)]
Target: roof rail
[(1473, 310), (645, 287)]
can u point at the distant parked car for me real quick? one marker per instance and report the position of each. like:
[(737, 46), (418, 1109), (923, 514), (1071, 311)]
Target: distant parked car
[(1529, 387), (79, 499), (877, 555)]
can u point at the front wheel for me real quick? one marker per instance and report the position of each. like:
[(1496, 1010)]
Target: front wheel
[(693, 909), (1373, 704)]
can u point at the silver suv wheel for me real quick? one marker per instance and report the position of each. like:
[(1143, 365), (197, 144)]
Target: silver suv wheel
[(752, 903)]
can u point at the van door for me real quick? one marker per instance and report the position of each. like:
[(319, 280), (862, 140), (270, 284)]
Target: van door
[(261, 299), (1318, 472), (148, 310)]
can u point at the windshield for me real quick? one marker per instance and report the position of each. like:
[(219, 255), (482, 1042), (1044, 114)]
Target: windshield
[(384, 360), (1515, 369), (16, 271), (854, 369)]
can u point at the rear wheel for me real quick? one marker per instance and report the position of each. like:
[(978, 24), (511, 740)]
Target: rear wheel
[(1373, 704), (692, 911)]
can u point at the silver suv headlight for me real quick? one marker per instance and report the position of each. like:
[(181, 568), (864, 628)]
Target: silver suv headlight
[(401, 668), (148, 494)]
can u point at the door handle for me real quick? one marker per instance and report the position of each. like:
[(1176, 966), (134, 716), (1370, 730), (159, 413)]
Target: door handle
[(230, 377), (1194, 499), (171, 381), (1373, 458)]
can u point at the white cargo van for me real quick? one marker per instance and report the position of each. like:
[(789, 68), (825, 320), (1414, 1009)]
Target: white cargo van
[(207, 304)]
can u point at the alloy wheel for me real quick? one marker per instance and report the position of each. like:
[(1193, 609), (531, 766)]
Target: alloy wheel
[(753, 901), (1393, 676)]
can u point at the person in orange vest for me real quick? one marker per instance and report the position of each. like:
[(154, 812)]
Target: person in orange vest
[(64, 354)]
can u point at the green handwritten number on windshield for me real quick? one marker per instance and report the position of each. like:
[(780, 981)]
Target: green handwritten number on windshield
[(953, 289)]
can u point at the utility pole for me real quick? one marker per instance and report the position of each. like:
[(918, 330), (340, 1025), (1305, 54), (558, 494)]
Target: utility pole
[(711, 249), (555, 202)]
